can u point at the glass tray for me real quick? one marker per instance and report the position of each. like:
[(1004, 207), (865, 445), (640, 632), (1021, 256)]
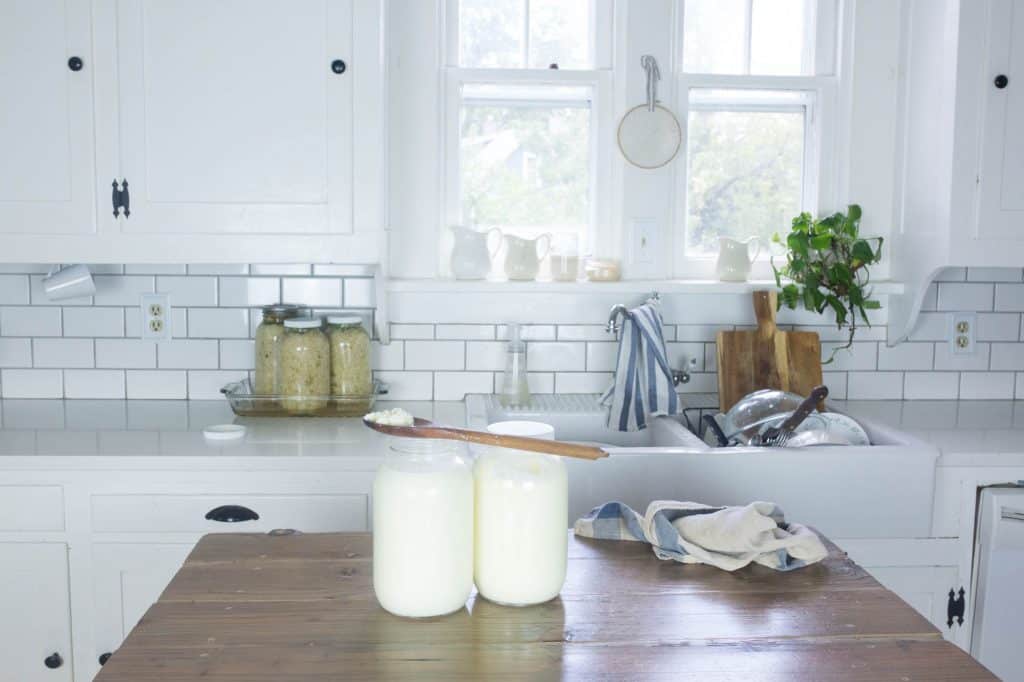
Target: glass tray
[(245, 403)]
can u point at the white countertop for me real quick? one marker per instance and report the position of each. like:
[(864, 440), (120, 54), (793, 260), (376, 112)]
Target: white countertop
[(969, 433)]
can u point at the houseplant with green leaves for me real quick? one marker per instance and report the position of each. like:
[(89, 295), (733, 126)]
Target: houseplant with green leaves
[(827, 268)]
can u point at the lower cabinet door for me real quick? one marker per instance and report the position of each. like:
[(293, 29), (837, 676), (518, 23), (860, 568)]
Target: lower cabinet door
[(35, 628), (128, 579), (926, 589)]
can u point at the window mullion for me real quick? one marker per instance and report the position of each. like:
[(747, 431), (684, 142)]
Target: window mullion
[(748, 35), (526, 34)]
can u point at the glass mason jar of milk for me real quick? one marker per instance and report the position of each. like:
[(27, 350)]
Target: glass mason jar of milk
[(522, 520), (423, 528)]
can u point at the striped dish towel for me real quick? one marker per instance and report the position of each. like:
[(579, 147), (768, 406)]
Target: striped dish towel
[(642, 387), (692, 533)]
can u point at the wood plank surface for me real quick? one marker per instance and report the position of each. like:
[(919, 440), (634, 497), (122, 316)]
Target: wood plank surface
[(301, 607), (766, 357)]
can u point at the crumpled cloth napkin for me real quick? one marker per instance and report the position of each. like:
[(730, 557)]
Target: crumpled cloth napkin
[(693, 533)]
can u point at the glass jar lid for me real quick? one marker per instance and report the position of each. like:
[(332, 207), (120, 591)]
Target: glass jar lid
[(344, 320), (303, 323), (284, 311)]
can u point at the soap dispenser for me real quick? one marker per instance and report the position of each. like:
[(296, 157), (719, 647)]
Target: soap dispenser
[(515, 391)]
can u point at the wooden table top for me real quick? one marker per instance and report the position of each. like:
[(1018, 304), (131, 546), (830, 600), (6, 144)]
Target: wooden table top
[(257, 608)]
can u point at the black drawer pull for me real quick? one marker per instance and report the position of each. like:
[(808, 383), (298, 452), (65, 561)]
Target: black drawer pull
[(104, 658), (53, 661), (232, 513)]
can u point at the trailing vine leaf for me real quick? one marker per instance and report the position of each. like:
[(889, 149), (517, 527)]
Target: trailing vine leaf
[(827, 267)]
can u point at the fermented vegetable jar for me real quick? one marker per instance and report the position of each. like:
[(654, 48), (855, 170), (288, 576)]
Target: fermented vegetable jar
[(268, 336), (423, 528), (304, 366), (350, 357)]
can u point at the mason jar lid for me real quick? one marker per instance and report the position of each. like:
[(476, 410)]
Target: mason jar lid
[(283, 311), (303, 323), (344, 319)]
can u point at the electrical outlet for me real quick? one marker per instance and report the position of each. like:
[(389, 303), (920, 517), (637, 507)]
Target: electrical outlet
[(156, 316), (964, 331)]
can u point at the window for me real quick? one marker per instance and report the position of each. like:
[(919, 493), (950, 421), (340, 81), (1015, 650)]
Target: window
[(527, 99), (754, 86)]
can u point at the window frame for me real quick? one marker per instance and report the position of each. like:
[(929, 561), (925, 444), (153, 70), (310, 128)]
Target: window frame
[(821, 176), (597, 236)]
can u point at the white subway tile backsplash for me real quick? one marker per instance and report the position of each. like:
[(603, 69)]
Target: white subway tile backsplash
[(339, 270), (998, 327), (38, 295), (59, 353), (206, 385), (408, 385), (93, 322), (1019, 394), (529, 332), (959, 297), (931, 385), (836, 383), (188, 291), (125, 353), (218, 269), (556, 356), (324, 293), (30, 321), (931, 298), (994, 274), (914, 356), (455, 385), (680, 355), (986, 385), (14, 289), (387, 357), (412, 331), (281, 269), (359, 293), (977, 361), (874, 386), (32, 383), (932, 327), (1007, 356), (155, 270), (1010, 297), (156, 384), (539, 382), (238, 354), (468, 332), (861, 356), (602, 357), (583, 332), (15, 353), (249, 291), (486, 355), (700, 382), (126, 290), (188, 354), (700, 332), (582, 382), (439, 355), (218, 323), (106, 384), (133, 322), (951, 275)]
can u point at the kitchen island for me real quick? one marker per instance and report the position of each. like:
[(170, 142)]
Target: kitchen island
[(301, 607)]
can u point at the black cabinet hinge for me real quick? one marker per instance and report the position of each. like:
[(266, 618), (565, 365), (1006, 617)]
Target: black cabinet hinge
[(955, 607), (120, 199)]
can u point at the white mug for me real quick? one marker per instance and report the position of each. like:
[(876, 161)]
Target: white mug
[(73, 281)]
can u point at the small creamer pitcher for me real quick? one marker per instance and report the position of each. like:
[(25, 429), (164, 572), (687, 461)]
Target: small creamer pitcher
[(473, 251), (734, 259), (523, 256)]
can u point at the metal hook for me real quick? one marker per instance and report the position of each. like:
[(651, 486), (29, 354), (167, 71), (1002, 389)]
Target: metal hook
[(650, 65)]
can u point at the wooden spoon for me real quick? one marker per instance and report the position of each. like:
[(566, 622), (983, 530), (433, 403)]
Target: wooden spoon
[(424, 428)]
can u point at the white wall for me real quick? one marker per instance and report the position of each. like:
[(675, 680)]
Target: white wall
[(867, 147)]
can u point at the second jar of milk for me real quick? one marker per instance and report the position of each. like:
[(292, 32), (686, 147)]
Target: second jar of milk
[(423, 528), (522, 519)]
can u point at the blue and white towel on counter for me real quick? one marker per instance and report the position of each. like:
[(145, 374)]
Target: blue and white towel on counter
[(692, 533), (643, 386)]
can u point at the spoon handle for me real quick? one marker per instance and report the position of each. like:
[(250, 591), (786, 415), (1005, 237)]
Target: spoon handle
[(551, 447)]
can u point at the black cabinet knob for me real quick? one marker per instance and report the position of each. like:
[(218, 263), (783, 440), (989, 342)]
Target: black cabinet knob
[(1002, 81), (338, 66), (53, 661), (232, 513), (75, 63), (104, 658)]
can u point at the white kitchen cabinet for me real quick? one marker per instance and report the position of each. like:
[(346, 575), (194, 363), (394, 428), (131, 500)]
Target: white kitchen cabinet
[(128, 579), (47, 177), (961, 178), (227, 131), (36, 626)]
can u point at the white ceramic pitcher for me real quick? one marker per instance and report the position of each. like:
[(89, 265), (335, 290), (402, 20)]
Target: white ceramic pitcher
[(472, 252), (734, 259), (523, 256)]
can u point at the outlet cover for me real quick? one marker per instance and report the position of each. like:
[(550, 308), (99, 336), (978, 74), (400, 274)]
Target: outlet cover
[(645, 241), (156, 316), (963, 333)]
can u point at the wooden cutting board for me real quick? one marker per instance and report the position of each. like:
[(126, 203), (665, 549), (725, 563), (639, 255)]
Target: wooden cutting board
[(766, 357)]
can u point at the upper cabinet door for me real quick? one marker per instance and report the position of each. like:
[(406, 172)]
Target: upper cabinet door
[(236, 115), (1001, 181), (46, 121)]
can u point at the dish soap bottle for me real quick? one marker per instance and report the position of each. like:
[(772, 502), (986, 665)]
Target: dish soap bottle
[(515, 391)]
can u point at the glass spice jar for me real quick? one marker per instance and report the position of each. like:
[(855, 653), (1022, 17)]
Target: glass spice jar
[(268, 336), (304, 366)]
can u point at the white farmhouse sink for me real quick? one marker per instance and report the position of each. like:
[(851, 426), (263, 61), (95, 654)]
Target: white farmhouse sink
[(879, 491)]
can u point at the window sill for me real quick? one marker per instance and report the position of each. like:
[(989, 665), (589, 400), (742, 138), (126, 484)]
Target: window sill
[(635, 286)]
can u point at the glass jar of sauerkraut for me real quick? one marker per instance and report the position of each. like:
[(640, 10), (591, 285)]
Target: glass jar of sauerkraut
[(350, 357), (304, 366), (268, 336)]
